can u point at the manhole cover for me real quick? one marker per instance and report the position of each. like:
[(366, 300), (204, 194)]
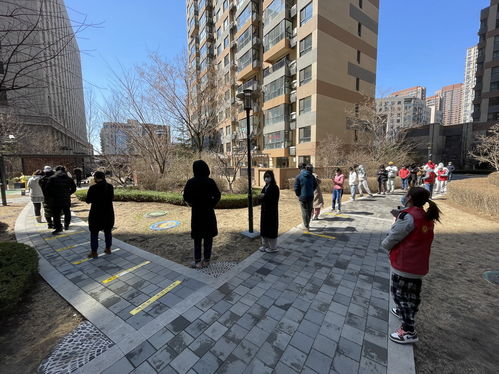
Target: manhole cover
[(217, 269), (491, 276), (164, 225), (155, 214)]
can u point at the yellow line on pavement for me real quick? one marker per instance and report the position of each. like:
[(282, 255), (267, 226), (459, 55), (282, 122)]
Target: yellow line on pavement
[(64, 235), (161, 293), (121, 273), (336, 215), (91, 258), (320, 235)]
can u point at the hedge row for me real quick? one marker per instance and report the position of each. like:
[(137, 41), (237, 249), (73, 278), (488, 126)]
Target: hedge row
[(228, 201), (475, 195), (18, 269), (327, 184)]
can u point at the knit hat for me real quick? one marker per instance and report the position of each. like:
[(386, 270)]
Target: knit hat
[(390, 163), (46, 169)]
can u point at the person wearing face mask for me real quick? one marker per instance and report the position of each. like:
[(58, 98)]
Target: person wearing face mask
[(409, 245), (269, 217)]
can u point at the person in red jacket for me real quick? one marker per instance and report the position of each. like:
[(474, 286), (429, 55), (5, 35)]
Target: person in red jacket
[(409, 245), (429, 179), (404, 174)]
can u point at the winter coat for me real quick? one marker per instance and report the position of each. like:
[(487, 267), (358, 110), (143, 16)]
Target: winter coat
[(78, 173), (404, 173), (382, 175), (305, 185), (269, 218), (392, 171), (101, 216), (429, 177), (318, 198), (338, 181), (36, 193), (59, 189), (202, 194), (361, 172), (352, 179)]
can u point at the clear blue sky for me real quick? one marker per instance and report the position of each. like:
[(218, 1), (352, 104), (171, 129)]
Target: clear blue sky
[(421, 42)]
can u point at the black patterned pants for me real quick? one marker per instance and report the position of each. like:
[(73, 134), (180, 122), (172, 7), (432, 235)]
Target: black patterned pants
[(406, 294)]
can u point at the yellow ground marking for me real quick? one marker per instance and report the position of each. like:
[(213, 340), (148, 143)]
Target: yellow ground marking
[(320, 235), (336, 215), (121, 273), (64, 235), (70, 247), (161, 293), (91, 258)]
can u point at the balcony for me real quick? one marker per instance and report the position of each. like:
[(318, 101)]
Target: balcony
[(194, 27), (281, 48), (251, 84), (290, 67), (248, 70)]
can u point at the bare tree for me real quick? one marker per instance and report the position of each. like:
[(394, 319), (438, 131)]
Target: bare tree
[(331, 153), (229, 166), (487, 148)]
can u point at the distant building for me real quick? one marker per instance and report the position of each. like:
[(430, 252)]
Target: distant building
[(417, 91), (116, 140), (403, 112), (451, 103), (469, 84), (434, 104)]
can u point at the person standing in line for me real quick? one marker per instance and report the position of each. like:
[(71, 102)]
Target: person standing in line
[(363, 184), (305, 185), (409, 245), (338, 181), (59, 189), (429, 180), (269, 217), (382, 179), (413, 178), (202, 194), (47, 173), (442, 178), (36, 194), (101, 217), (392, 174), (451, 169), (352, 183), (405, 174), (78, 173), (318, 198)]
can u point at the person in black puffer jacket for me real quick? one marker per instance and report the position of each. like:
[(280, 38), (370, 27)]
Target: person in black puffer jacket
[(59, 189)]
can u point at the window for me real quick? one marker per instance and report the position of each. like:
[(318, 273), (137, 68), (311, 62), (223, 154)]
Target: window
[(219, 32), (275, 88), (217, 16), (304, 159), (244, 38), (278, 33), (493, 101), (273, 10), (227, 78), (357, 84), (305, 45), (219, 49), (361, 4), (305, 134), (274, 140), (226, 23), (275, 115), (226, 59), (245, 60), (225, 5), (226, 42), (306, 105), (306, 14), (201, 4), (305, 75), (358, 57), (244, 16), (359, 29)]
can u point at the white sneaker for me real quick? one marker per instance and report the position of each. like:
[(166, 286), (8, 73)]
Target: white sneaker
[(270, 250), (262, 249)]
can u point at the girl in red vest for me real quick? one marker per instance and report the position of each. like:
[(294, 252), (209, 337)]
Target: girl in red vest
[(409, 243)]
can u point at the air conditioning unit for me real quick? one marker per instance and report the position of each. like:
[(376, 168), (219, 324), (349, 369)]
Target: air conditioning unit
[(257, 41), (233, 45), (292, 43), (292, 11), (292, 96), (295, 32), (233, 66), (233, 25), (292, 116), (294, 84)]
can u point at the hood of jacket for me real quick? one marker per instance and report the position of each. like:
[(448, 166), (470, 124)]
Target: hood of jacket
[(200, 169), (306, 173)]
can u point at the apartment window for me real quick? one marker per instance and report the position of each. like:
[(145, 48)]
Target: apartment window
[(219, 49), (357, 84), (226, 23), (274, 140), (244, 16), (203, 65), (306, 13), (225, 5), (202, 51), (273, 10), (226, 59), (245, 60), (278, 33), (275, 115), (305, 134), (494, 79), (217, 16), (275, 88), (202, 35), (244, 38), (361, 4), (305, 45), (201, 4), (305, 75), (304, 159), (358, 57), (493, 101), (226, 42), (306, 105), (359, 29), (227, 78), (219, 33)]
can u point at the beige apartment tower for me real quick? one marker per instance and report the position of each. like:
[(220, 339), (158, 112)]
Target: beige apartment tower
[(309, 61)]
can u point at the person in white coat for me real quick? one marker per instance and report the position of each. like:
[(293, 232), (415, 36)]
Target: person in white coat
[(36, 193), (442, 178), (362, 175), (353, 182), (392, 174)]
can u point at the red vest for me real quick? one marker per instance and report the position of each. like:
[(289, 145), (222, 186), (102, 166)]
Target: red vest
[(441, 176), (412, 254), (431, 178)]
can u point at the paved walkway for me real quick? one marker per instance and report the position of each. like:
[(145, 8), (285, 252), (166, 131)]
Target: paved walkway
[(318, 306)]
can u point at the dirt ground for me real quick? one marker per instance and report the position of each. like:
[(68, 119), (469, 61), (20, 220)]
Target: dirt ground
[(458, 322), (42, 319), (176, 244)]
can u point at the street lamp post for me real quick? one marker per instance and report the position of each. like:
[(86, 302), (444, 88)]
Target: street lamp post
[(247, 98), (3, 180)]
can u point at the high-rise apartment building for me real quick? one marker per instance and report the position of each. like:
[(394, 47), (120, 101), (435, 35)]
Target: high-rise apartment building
[(403, 112), (434, 104), (309, 61), (40, 73), (469, 84), (486, 101), (417, 91), (451, 97)]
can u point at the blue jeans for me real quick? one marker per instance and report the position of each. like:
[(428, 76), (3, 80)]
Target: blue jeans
[(405, 183), (337, 194), (429, 187), (353, 191), (94, 239)]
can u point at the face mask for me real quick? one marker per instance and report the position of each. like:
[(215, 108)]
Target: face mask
[(404, 200), (267, 180)]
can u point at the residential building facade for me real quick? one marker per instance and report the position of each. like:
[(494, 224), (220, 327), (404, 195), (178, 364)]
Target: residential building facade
[(308, 61), (40, 74), (469, 84), (452, 101), (403, 112), (434, 104), (486, 101), (417, 91)]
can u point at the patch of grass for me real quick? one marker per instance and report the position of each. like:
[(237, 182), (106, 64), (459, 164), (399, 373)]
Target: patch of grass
[(494, 178), (18, 269), (476, 194), (228, 201)]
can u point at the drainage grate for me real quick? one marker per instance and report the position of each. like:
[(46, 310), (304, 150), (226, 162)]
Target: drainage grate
[(77, 348), (491, 276), (217, 269)]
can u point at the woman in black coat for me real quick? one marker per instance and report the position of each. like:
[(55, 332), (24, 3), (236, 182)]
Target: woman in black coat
[(269, 218), (382, 179), (202, 194), (101, 217)]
